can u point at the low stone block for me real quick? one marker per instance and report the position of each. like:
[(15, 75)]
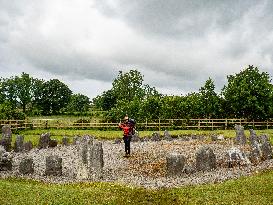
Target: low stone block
[(65, 141), (19, 142), (44, 141), (27, 146), (26, 166), (205, 159), (53, 166), (155, 137), (175, 164), (96, 162)]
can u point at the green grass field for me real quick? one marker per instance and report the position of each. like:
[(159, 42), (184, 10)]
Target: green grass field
[(33, 135), (246, 190)]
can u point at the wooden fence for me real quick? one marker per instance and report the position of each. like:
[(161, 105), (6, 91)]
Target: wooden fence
[(159, 124)]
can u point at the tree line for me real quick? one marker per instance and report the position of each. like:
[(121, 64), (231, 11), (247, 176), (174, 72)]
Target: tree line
[(247, 94), (24, 95)]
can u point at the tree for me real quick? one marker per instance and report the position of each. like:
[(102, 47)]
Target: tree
[(106, 101), (209, 100), (128, 85), (53, 96), (78, 103), (248, 94)]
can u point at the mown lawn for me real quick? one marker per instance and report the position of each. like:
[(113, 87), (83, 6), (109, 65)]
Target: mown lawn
[(256, 190), (33, 135)]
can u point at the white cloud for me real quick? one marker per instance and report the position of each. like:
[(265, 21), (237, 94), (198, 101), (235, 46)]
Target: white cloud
[(177, 45)]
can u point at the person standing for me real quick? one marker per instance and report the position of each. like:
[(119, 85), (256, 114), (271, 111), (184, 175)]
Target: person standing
[(127, 134)]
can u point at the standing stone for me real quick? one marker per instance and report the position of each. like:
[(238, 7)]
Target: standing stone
[(117, 141), (19, 142), (65, 141), (135, 137), (167, 136), (96, 162), (53, 166), (253, 138), (175, 164), (27, 146), (255, 154), (26, 166), (6, 161), (205, 159), (76, 140), (2, 151), (84, 145), (236, 157), (240, 135), (6, 137), (266, 150), (44, 141), (263, 139), (155, 137)]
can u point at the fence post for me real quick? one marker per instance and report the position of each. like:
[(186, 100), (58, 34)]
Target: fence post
[(226, 124), (159, 124), (198, 124)]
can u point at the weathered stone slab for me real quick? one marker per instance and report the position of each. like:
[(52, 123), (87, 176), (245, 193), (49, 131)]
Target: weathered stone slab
[(96, 162), (266, 150), (253, 138), (240, 135), (6, 137), (175, 164), (205, 159), (6, 161), (155, 137), (236, 157), (135, 137), (19, 142), (117, 141), (44, 141), (27, 146), (26, 166), (65, 141), (167, 136), (53, 166)]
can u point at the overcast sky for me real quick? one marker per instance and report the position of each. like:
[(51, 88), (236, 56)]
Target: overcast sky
[(176, 44)]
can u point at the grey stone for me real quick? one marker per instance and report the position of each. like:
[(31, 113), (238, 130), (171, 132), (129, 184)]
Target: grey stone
[(117, 141), (6, 137), (155, 137), (96, 162), (194, 137), (76, 140), (253, 138), (27, 146), (240, 135), (65, 141), (266, 151), (6, 132), (53, 166), (135, 138), (185, 138), (6, 161), (53, 143), (84, 145), (167, 136), (205, 159), (26, 166), (19, 142), (255, 154), (189, 169), (236, 157), (44, 141), (263, 139), (175, 164), (6, 143), (2, 151)]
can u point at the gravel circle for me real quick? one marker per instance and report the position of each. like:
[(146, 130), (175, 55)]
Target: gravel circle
[(146, 167)]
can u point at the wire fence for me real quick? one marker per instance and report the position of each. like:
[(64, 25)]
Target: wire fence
[(157, 124)]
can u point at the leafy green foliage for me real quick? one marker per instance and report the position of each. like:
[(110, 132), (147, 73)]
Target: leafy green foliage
[(54, 95), (249, 94), (78, 103)]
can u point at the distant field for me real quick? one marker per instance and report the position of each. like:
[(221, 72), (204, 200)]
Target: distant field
[(246, 190), (33, 135)]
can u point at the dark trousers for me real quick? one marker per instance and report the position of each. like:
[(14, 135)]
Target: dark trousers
[(127, 140)]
